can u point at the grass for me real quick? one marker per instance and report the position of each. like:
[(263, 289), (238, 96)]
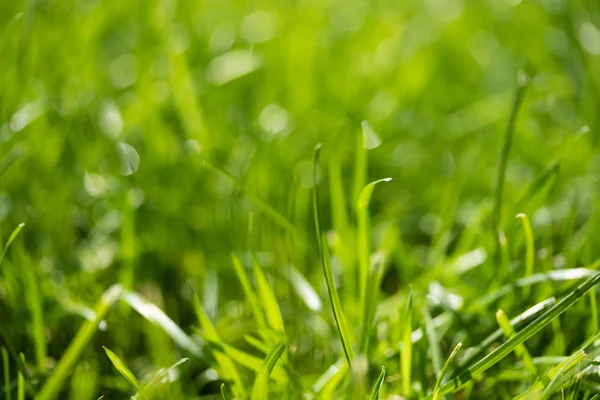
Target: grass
[(191, 202)]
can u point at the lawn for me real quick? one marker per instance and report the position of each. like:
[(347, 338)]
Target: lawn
[(299, 199)]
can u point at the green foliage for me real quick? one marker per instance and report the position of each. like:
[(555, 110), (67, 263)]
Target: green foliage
[(139, 139)]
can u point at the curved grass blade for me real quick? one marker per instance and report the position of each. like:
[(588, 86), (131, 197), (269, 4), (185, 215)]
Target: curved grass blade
[(157, 316), (303, 288), (378, 384), (11, 239), (260, 389), (434, 342), (526, 333), (334, 298), (123, 370), (436, 389), (224, 392), (71, 355), (227, 368), (522, 83)]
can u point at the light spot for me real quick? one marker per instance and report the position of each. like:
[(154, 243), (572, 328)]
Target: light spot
[(232, 65), (444, 10), (274, 120), (110, 120), (222, 38), (258, 27), (122, 71), (589, 36), (94, 184), (129, 157), (27, 114), (370, 138)]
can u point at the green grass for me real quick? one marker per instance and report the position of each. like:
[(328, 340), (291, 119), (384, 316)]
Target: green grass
[(196, 186)]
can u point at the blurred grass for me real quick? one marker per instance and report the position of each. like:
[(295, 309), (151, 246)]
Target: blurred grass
[(137, 138)]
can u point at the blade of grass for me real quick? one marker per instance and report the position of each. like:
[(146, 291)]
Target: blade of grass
[(436, 389), (248, 291), (224, 392), (334, 299), (227, 368), (364, 252), (267, 297), (522, 83), (123, 370), (160, 377), (594, 311), (521, 350), (260, 389), (6, 366), (11, 239), (434, 342), (407, 347), (157, 316), (378, 385), (529, 249), (64, 366), (21, 381), (526, 333), (246, 360), (370, 301)]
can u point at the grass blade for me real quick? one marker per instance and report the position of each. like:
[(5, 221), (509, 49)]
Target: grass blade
[(227, 368), (5, 367), (157, 316), (436, 389), (224, 392), (521, 350), (21, 381), (123, 370), (407, 347), (522, 82), (260, 389), (529, 249), (364, 252), (434, 342), (11, 239), (378, 385), (267, 297), (526, 333), (160, 377), (62, 370), (303, 288), (334, 298), (248, 291)]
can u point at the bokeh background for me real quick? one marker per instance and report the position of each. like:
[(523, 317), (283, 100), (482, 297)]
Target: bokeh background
[(110, 111)]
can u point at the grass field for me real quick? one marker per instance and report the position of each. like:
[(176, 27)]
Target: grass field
[(299, 199)]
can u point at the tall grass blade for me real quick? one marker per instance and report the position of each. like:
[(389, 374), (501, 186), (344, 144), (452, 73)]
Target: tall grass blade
[(522, 83), (378, 385), (260, 389), (364, 243), (334, 299), (123, 370), (434, 342), (64, 366), (11, 239), (21, 380), (526, 333), (407, 347), (436, 389)]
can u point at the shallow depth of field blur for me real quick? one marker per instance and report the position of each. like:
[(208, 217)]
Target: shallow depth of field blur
[(155, 143)]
